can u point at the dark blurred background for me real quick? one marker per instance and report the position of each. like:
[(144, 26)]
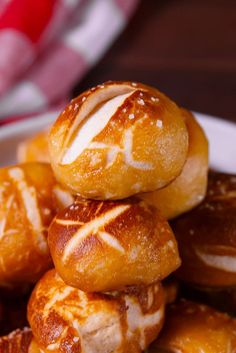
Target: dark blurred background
[(186, 48)]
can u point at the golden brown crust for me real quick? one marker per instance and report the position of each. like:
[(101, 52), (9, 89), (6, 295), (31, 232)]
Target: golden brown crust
[(34, 149), (28, 203), (207, 236), (102, 246), (18, 341), (66, 319), (192, 328), (189, 188), (34, 348), (137, 141)]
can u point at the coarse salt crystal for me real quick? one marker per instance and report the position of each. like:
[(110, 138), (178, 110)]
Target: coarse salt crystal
[(154, 99), (141, 102), (159, 123)]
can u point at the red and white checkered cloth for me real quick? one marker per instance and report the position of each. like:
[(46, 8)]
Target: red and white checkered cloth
[(48, 45)]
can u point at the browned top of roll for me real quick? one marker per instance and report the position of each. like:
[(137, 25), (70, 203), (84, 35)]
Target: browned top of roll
[(118, 139), (101, 246), (207, 235), (192, 327), (221, 186)]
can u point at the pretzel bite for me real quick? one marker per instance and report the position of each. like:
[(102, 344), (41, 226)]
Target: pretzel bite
[(29, 199), (207, 236), (189, 188), (19, 341), (65, 319), (118, 139), (34, 149), (196, 328), (102, 246)]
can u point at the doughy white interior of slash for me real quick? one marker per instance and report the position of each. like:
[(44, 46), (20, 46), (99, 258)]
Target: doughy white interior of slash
[(30, 203), (92, 127), (221, 262)]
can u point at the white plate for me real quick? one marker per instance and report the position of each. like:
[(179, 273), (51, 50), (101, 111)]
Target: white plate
[(222, 138), (221, 134), (12, 134)]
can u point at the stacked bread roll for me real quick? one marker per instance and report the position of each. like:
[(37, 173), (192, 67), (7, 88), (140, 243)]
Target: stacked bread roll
[(192, 327), (110, 249), (207, 242), (125, 159), (29, 199), (206, 238)]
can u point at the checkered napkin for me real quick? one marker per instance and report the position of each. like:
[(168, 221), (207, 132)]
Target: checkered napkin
[(46, 46)]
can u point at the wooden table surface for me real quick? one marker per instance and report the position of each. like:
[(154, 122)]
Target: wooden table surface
[(186, 48)]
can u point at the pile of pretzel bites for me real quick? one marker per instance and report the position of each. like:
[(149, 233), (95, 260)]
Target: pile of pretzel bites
[(84, 216)]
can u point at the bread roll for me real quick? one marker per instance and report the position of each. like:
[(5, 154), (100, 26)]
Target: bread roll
[(118, 139), (189, 188), (34, 149), (207, 236), (102, 246), (19, 341), (62, 316), (29, 200), (193, 328)]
